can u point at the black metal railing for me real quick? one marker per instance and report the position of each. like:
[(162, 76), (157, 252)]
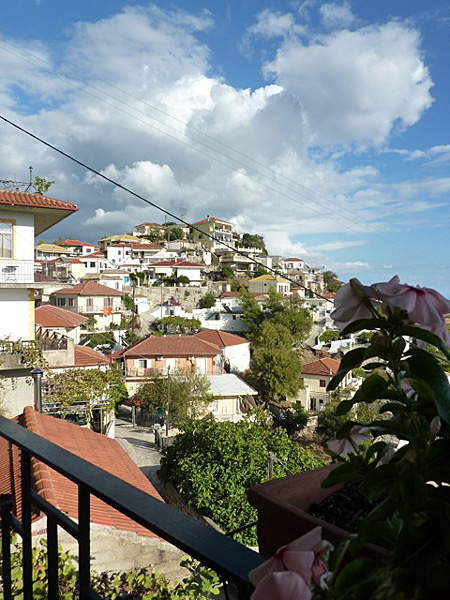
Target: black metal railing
[(228, 558)]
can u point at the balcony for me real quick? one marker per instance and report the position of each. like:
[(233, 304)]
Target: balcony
[(148, 372), (228, 558), (16, 271), (100, 309)]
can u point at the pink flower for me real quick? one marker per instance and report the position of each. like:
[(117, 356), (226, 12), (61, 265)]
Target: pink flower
[(302, 556), (349, 305), (423, 305), (286, 585), (349, 445)]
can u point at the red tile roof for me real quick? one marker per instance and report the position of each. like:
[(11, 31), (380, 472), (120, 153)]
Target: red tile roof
[(75, 243), (58, 490), (149, 246), (33, 199), (97, 254), (73, 261), (89, 288), (323, 366), (88, 357), (54, 316), (293, 259), (150, 224), (172, 345), (220, 338)]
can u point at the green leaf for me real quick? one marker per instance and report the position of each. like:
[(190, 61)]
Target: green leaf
[(427, 368), (372, 389), (341, 474), (360, 324), (344, 407)]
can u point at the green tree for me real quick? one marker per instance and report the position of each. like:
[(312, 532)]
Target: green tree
[(250, 240), (329, 279), (207, 301), (275, 367), (87, 386), (189, 394), (175, 234), (329, 336), (294, 420), (127, 301), (42, 185), (178, 324), (224, 273), (213, 464)]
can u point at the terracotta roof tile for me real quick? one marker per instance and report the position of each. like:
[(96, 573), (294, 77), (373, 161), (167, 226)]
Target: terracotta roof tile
[(89, 288), (323, 366), (175, 263), (221, 338), (86, 357), (53, 487), (47, 315), (211, 219), (172, 345), (70, 242), (34, 199)]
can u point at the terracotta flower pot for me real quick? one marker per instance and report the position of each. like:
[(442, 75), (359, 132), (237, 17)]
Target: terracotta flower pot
[(282, 506)]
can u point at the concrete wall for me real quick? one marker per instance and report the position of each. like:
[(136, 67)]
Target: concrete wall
[(17, 392), (16, 313)]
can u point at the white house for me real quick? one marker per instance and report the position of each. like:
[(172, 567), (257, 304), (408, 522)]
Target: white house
[(23, 215), (55, 318), (264, 283), (78, 248), (316, 376), (95, 262), (232, 397), (177, 268), (235, 349)]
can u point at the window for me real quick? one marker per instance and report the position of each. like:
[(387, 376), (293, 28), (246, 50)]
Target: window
[(313, 404), (71, 301), (61, 302), (92, 264), (6, 239), (107, 302), (89, 302), (142, 364), (323, 383)]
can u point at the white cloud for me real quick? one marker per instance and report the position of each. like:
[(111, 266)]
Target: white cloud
[(354, 87), (274, 24), (337, 15), (332, 246)]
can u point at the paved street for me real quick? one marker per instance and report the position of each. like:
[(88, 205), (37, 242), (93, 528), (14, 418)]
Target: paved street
[(139, 443)]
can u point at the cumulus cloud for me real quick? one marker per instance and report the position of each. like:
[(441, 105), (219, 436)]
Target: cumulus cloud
[(337, 15), (354, 87)]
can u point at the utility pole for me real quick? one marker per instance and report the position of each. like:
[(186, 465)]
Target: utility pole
[(168, 400), (132, 310), (270, 466)]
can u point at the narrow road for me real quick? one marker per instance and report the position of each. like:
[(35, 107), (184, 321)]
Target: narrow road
[(139, 443)]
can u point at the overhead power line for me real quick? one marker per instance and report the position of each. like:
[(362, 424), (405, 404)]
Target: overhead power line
[(150, 202)]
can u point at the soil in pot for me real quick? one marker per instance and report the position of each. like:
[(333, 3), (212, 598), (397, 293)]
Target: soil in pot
[(345, 508)]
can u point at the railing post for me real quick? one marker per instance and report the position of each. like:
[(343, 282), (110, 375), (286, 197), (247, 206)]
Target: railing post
[(27, 555), (52, 559), (84, 542), (5, 509)]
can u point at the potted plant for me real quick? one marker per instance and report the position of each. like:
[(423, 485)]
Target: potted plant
[(405, 366)]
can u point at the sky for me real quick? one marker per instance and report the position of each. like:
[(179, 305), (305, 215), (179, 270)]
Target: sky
[(323, 126)]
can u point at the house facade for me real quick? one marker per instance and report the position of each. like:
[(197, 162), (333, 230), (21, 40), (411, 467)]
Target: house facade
[(263, 283), (232, 397), (316, 376), (157, 354), (235, 349), (211, 232), (89, 298)]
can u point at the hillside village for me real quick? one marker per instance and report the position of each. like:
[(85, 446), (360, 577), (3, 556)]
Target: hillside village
[(126, 303)]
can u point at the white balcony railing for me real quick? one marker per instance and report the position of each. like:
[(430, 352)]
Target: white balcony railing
[(99, 308), (16, 271)]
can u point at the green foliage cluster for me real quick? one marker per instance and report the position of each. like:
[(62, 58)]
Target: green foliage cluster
[(202, 583), (212, 464), (294, 420), (329, 336), (275, 368), (99, 339), (223, 274), (174, 234), (329, 279), (189, 394), (42, 185), (87, 386), (178, 324), (251, 240), (127, 301), (207, 301)]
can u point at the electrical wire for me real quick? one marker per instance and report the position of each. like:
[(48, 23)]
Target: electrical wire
[(153, 204), (239, 163)]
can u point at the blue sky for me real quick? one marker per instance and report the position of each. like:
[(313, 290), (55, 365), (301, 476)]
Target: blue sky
[(321, 125)]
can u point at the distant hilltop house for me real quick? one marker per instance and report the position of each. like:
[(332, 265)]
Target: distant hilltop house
[(150, 229), (177, 268), (263, 283), (212, 232), (46, 252), (78, 248)]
